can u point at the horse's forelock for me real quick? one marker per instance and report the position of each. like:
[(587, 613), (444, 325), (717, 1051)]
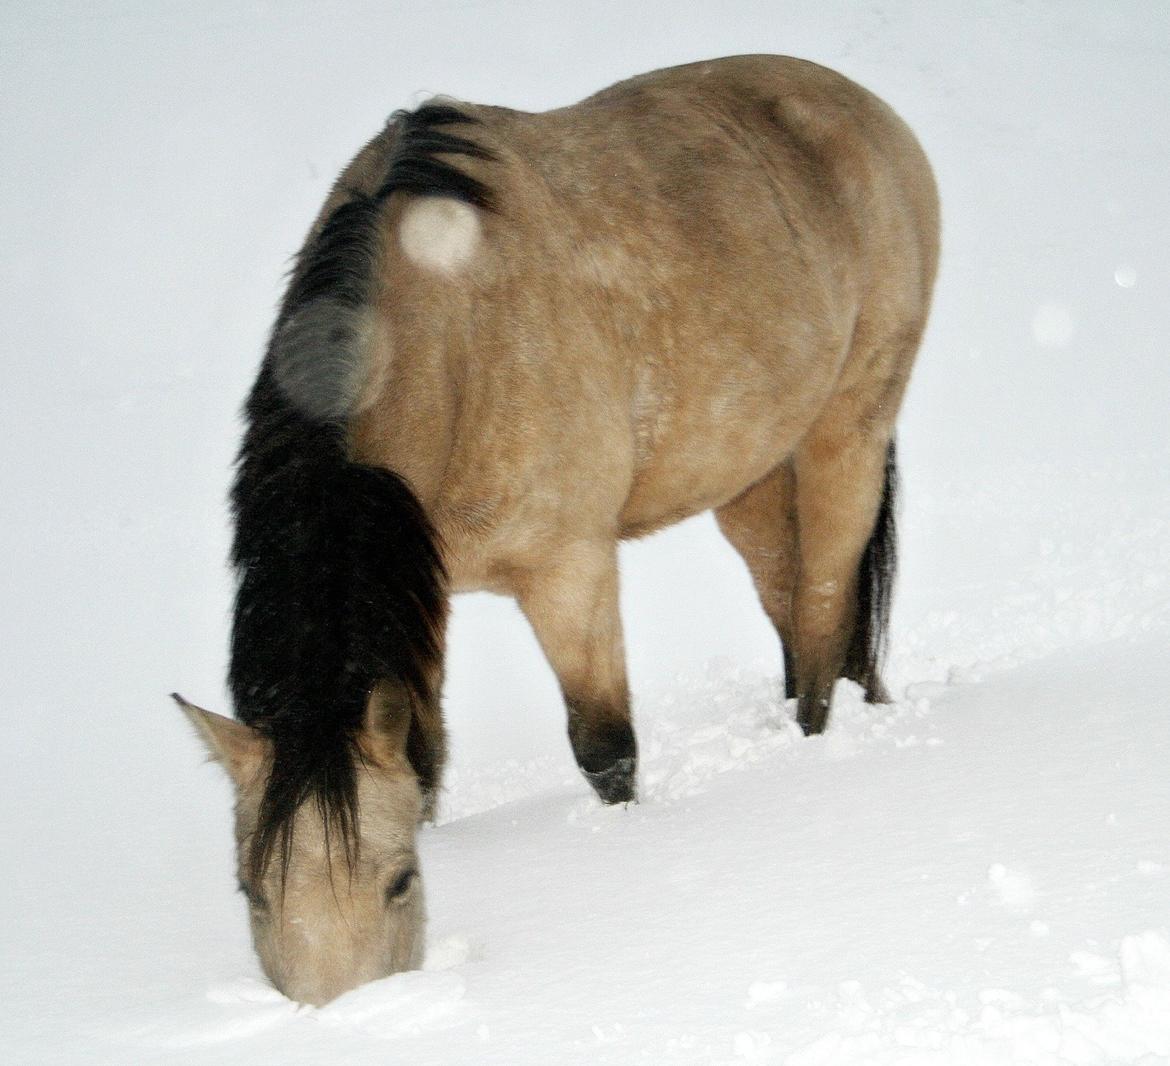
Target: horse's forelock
[(306, 770)]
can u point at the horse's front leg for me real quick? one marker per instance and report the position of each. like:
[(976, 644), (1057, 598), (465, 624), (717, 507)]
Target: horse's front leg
[(571, 601)]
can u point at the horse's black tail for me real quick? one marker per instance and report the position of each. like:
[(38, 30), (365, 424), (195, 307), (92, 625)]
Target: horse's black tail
[(341, 581), (875, 588)]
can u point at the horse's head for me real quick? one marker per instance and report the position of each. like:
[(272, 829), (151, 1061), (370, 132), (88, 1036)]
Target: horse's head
[(335, 897)]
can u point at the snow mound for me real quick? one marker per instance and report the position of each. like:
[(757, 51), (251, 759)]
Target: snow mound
[(407, 1004), (914, 1025), (243, 1008)]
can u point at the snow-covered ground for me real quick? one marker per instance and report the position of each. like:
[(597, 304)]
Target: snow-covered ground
[(978, 873)]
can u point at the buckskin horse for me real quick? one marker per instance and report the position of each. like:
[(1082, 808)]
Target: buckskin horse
[(510, 341)]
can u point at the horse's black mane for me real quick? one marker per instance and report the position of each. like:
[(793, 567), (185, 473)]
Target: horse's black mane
[(340, 579)]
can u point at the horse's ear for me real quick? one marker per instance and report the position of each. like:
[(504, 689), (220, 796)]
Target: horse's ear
[(387, 723), (238, 747)]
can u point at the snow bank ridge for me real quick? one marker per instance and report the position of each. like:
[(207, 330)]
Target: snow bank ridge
[(1127, 1023)]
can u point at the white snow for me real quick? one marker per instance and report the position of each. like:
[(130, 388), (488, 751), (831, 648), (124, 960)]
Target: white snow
[(978, 873), (1013, 888)]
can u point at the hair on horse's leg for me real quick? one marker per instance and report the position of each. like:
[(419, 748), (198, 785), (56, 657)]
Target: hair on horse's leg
[(875, 587)]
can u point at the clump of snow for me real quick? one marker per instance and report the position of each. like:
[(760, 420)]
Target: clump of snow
[(911, 1022), (760, 992), (1014, 889), (753, 1046)]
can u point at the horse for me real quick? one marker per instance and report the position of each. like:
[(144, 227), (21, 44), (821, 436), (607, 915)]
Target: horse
[(510, 341)]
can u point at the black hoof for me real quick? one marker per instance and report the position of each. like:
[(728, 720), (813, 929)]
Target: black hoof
[(812, 715), (608, 757), (614, 784)]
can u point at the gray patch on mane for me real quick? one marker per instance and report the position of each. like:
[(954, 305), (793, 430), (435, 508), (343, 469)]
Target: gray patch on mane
[(320, 355)]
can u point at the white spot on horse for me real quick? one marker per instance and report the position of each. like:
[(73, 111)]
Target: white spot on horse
[(439, 234)]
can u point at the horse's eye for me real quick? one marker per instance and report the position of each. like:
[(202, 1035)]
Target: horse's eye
[(400, 886), (256, 901)]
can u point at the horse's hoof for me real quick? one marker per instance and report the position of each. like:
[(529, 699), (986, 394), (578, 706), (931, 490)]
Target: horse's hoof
[(811, 728), (812, 715), (614, 784)]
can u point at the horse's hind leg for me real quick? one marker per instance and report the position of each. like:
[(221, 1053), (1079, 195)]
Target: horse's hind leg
[(760, 523), (572, 604), (845, 521)]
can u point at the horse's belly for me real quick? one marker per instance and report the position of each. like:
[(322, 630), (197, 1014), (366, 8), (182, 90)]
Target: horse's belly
[(705, 466), (713, 423)]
